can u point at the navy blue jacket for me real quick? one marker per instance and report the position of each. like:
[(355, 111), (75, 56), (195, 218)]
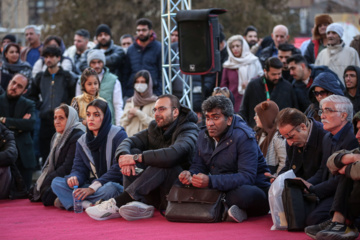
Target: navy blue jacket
[(306, 161), (82, 168), (237, 159), (324, 183), (139, 58)]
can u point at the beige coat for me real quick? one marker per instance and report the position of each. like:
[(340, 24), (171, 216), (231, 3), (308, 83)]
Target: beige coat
[(352, 170), (139, 122)]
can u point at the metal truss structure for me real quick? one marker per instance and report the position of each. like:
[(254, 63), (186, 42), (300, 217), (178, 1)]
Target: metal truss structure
[(170, 54)]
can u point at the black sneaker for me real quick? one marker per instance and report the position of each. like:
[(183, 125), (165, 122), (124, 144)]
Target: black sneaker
[(235, 214), (338, 231), (312, 230)]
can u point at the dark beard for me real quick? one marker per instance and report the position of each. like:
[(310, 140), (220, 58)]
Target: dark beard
[(106, 44), (12, 98), (145, 38)]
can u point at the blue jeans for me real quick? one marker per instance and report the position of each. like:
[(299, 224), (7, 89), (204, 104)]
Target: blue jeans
[(64, 192)]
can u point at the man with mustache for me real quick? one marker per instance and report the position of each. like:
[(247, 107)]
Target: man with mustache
[(114, 54), (144, 53), (345, 209), (151, 160), (337, 56), (352, 84), (18, 114), (336, 115)]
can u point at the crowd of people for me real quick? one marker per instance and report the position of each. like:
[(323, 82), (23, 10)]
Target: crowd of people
[(94, 116)]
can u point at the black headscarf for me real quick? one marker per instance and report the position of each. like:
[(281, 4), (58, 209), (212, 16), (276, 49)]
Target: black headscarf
[(97, 145)]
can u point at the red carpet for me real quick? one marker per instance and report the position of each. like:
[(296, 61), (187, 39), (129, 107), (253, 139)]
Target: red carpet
[(21, 219)]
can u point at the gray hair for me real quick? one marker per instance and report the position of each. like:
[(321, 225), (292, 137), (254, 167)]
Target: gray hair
[(341, 103), (220, 102), (37, 30)]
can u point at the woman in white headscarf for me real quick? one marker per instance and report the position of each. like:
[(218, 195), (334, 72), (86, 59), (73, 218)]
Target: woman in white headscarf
[(138, 109), (62, 153), (240, 68)]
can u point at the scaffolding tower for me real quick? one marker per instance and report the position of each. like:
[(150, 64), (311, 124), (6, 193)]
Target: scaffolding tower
[(171, 73)]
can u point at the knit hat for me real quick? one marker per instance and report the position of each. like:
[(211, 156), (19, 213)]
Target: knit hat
[(335, 27), (11, 37), (103, 28), (96, 54), (267, 112), (321, 19)]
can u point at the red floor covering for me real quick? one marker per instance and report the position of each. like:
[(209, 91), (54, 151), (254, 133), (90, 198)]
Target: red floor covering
[(20, 219)]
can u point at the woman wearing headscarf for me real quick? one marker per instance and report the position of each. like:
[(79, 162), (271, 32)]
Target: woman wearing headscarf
[(271, 143), (95, 170), (60, 160), (240, 68), (12, 64), (138, 109)]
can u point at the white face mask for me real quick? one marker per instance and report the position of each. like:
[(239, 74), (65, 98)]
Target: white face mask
[(141, 87)]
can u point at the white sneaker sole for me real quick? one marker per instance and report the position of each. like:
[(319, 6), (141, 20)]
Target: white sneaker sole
[(133, 212), (105, 216)]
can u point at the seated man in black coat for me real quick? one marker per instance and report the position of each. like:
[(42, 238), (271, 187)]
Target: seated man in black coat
[(8, 156), (304, 137), (336, 114), (164, 150)]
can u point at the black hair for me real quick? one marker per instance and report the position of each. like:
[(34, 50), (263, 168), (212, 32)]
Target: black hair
[(142, 73), (273, 62), (250, 29), (51, 51), (83, 33), (297, 58), (127, 36), (173, 99), (99, 104), (57, 39), (11, 44), (144, 21), (220, 102), (290, 116)]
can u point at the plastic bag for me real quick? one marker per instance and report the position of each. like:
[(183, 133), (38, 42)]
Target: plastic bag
[(275, 201)]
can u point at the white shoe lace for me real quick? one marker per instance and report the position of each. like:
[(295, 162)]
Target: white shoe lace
[(106, 205)]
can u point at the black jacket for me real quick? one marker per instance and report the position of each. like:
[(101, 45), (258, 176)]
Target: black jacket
[(8, 151), (53, 92), (282, 94), (165, 149), (306, 161), (324, 183), (356, 99)]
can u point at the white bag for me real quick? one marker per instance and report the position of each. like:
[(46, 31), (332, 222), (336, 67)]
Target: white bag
[(275, 201)]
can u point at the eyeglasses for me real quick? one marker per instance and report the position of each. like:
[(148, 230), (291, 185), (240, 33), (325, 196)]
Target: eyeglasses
[(287, 135), (142, 30), (322, 93), (327, 111), (218, 89), (159, 109)]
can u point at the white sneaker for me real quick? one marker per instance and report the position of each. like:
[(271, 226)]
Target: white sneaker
[(86, 204), (105, 210), (136, 210), (236, 214)]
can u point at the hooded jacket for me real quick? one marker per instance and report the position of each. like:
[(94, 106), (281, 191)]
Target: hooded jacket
[(355, 100), (327, 81), (237, 159)]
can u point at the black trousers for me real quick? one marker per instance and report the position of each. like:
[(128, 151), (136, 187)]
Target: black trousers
[(347, 198)]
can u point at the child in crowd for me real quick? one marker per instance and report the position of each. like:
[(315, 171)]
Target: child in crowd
[(90, 86)]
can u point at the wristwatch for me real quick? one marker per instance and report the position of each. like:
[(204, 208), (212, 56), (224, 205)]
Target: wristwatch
[(136, 157)]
